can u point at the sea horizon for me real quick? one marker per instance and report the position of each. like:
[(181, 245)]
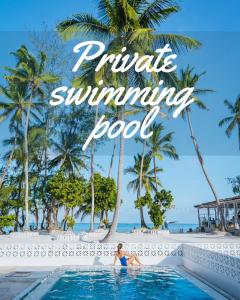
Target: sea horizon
[(128, 227)]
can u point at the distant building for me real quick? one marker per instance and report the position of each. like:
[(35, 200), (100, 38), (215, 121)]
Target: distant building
[(209, 214)]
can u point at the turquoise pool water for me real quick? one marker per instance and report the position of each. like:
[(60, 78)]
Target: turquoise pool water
[(125, 283)]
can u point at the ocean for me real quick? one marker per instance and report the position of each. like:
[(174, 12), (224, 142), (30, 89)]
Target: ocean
[(127, 227)]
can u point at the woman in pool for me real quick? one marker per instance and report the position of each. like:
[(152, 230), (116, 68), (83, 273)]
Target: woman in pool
[(121, 255)]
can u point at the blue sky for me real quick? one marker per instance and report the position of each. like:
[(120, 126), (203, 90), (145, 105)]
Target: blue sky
[(216, 24)]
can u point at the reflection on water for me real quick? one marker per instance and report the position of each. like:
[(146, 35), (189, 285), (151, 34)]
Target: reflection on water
[(125, 283)]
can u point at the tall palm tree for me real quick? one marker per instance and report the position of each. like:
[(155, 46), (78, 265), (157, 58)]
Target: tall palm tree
[(148, 179), (131, 24), (92, 176), (14, 107), (143, 109), (188, 78), (35, 137), (31, 72), (160, 145), (69, 156), (233, 121)]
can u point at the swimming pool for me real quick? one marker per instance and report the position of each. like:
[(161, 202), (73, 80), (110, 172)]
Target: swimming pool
[(125, 283)]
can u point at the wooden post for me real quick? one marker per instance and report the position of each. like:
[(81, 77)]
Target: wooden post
[(218, 212), (208, 211), (226, 214), (235, 216), (199, 221)]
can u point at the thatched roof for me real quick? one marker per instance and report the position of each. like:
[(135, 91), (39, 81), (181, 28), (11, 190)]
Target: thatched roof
[(213, 204)]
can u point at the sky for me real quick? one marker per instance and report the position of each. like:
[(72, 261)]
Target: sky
[(213, 22)]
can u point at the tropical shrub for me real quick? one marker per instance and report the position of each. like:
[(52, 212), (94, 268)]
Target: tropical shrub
[(6, 221), (162, 202), (70, 222)]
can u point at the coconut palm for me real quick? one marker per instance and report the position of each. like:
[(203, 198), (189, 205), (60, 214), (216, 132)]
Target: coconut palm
[(35, 137), (189, 78), (69, 156), (148, 179), (31, 72), (160, 145), (14, 108), (131, 24), (232, 121)]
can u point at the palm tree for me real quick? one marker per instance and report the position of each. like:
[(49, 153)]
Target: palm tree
[(233, 120), (131, 24), (188, 78), (92, 176), (148, 179), (69, 156), (14, 107), (160, 145), (143, 109), (32, 73), (35, 137)]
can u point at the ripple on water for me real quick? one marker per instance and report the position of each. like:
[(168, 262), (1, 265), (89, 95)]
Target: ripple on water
[(135, 284)]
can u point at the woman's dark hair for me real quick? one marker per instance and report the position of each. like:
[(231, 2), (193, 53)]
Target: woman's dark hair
[(119, 247)]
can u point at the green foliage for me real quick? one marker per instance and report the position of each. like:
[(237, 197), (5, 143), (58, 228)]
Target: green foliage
[(235, 182), (5, 199), (162, 202), (160, 144), (232, 121), (148, 174), (70, 222), (156, 215), (104, 193), (6, 221), (146, 200), (164, 198), (66, 191)]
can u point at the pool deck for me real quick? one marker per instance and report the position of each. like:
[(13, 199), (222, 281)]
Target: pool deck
[(14, 285)]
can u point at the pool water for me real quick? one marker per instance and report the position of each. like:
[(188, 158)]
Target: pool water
[(125, 283)]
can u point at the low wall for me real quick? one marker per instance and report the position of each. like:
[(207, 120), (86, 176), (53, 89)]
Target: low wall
[(221, 270), (57, 254)]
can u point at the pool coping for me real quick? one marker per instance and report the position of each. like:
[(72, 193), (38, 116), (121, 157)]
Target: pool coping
[(40, 288)]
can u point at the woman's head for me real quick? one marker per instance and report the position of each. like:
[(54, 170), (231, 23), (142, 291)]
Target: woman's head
[(119, 246)]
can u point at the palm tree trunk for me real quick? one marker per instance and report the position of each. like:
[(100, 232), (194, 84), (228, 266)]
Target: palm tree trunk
[(141, 168), (16, 219), (92, 177), (112, 158), (36, 218), (55, 217), (106, 215), (114, 224), (143, 224), (43, 218), (238, 137), (4, 173), (200, 159), (49, 218), (101, 224), (155, 172), (26, 200)]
